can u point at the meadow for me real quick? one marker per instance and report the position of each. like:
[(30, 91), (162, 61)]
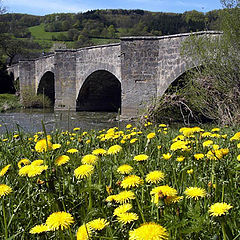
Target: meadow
[(152, 182)]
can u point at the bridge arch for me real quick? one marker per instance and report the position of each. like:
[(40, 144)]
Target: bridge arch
[(101, 91), (46, 86)]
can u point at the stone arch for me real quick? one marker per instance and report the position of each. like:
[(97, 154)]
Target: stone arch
[(46, 86), (101, 91)]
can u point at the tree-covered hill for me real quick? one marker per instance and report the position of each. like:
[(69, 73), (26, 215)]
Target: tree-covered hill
[(39, 33)]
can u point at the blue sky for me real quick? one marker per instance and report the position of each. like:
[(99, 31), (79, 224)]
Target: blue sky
[(42, 7)]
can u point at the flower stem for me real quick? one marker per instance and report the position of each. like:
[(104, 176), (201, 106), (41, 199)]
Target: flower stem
[(5, 220)]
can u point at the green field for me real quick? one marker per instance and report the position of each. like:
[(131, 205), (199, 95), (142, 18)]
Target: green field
[(38, 32)]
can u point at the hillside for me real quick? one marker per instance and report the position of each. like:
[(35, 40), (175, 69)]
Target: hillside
[(100, 26)]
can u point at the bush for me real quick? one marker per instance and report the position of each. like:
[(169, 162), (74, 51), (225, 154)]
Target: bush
[(29, 99)]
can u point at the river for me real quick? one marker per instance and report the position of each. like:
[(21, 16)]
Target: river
[(30, 120)]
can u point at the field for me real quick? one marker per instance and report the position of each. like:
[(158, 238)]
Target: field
[(148, 183)]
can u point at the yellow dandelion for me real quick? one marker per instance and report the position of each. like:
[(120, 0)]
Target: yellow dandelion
[(179, 145), (72, 150), (36, 170), (162, 192), (23, 162), (133, 140), (125, 169), (180, 159), (99, 151), (238, 157), (38, 162), (127, 217), (198, 156), (219, 209), (151, 135), (131, 181), (76, 129), (84, 232), (4, 190), (43, 145), (238, 145), (110, 198), (114, 149), (59, 220), (122, 209), (195, 192), (89, 159), (56, 146), (24, 170), (149, 231), (98, 224), (155, 176), (141, 157), (235, 137), (4, 170), (190, 171), (62, 160), (83, 171), (167, 156), (215, 130), (39, 229), (124, 197), (129, 126), (207, 143)]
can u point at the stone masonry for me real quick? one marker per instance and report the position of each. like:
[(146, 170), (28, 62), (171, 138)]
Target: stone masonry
[(143, 66)]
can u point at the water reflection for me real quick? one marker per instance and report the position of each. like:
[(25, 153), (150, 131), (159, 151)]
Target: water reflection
[(30, 120)]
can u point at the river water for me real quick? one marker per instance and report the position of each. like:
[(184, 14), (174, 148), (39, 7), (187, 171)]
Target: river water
[(30, 120)]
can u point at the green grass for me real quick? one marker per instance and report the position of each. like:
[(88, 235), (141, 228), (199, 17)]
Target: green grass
[(38, 32), (9, 101), (102, 41)]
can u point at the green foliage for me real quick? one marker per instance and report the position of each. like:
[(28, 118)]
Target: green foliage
[(29, 99), (8, 102)]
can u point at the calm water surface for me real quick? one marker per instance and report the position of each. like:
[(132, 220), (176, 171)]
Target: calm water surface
[(30, 120)]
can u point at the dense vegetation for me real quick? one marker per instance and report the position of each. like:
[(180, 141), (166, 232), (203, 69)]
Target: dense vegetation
[(149, 183)]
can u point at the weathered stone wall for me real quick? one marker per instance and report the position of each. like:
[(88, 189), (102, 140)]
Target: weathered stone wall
[(14, 69), (43, 65), (91, 59), (65, 80)]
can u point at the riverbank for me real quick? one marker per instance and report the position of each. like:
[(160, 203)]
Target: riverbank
[(9, 102)]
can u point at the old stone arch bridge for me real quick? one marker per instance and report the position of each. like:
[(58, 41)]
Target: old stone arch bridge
[(125, 76)]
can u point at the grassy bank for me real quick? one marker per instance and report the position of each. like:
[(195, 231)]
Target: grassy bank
[(8, 102), (150, 183)]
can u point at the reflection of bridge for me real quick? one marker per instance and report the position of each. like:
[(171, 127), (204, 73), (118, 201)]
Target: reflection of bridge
[(126, 75)]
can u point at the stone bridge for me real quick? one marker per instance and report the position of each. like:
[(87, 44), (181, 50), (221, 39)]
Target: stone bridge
[(127, 75)]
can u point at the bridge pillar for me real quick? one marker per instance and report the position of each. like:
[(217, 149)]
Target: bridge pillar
[(27, 76), (139, 61), (65, 80)]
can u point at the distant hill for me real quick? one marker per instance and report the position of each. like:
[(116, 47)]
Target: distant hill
[(102, 26)]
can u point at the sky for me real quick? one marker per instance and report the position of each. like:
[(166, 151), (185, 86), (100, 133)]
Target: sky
[(43, 7)]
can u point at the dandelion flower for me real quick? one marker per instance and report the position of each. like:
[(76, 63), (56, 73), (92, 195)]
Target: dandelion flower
[(4, 170), (162, 192), (99, 151), (198, 156), (39, 229), (110, 198), (38, 162), (195, 192), (180, 159), (133, 140), (238, 157), (219, 209), (179, 145), (56, 146), (83, 171), (127, 217), (4, 190), (167, 156), (235, 137), (114, 149), (190, 171), (59, 220), (24, 170), (124, 197), (149, 231), (89, 159), (36, 170), (125, 169), (84, 232), (122, 209), (72, 150), (43, 145), (131, 181), (76, 129), (141, 157), (129, 126), (155, 177), (207, 143), (98, 224), (151, 135), (23, 162), (62, 160)]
